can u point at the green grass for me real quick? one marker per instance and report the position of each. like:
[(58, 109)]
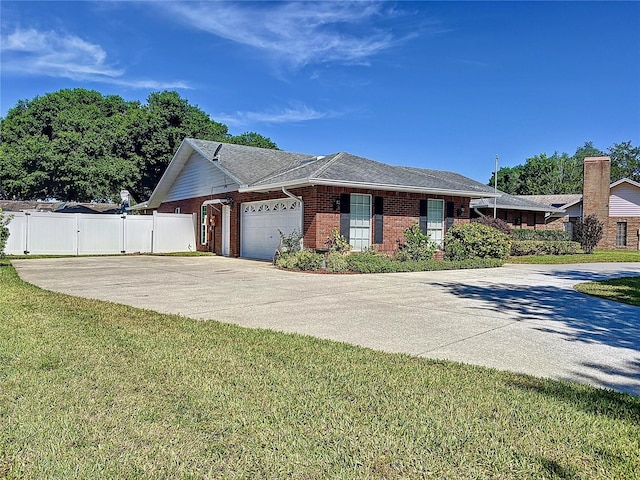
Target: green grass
[(96, 390), (598, 256), (624, 290)]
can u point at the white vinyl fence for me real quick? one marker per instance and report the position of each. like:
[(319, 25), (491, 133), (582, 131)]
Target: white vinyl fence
[(47, 233)]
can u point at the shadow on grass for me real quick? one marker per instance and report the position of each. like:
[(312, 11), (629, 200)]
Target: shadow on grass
[(615, 405)]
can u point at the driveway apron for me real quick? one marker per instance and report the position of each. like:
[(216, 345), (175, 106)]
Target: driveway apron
[(521, 318)]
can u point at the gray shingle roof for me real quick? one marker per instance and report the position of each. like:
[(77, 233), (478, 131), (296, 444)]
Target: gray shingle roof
[(261, 169), (554, 200), (248, 164), (513, 202), (352, 169)]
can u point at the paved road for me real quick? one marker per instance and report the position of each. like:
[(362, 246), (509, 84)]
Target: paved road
[(523, 318)]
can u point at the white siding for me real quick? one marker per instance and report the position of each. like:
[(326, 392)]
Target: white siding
[(624, 201), (199, 177), (574, 211)]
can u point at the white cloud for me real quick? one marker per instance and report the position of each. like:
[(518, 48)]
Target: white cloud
[(297, 33), (293, 114), (31, 52)]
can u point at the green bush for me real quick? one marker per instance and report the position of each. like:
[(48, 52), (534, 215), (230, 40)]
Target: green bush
[(4, 231), (370, 261), (417, 246), (337, 243), (521, 248), (475, 240), (300, 260), (541, 235), (336, 262)]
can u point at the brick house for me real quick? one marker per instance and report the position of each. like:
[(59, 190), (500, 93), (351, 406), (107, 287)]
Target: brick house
[(617, 206), (243, 196), (517, 210)]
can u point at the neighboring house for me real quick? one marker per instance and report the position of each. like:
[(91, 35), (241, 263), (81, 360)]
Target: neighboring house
[(244, 195), (617, 206), (517, 211), (58, 207)]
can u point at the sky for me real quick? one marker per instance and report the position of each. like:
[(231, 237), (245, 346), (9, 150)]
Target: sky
[(442, 85)]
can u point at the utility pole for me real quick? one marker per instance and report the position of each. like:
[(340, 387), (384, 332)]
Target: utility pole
[(495, 189)]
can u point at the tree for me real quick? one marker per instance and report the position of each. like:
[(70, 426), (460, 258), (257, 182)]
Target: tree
[(588, 232), (80, 145), (625, 161), (4, 231)]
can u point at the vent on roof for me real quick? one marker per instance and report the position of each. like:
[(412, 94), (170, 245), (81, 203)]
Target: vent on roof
[(311, 159)]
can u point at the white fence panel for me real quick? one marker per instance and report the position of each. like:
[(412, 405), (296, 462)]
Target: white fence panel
[(47, 233), (174, 233), (52, 233), (100, 234), (138, 234)]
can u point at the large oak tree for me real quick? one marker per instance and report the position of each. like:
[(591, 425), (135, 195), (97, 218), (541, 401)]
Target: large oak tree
[(78, 145)]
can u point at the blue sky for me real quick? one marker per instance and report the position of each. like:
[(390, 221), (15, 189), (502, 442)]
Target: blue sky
[(436, 85)]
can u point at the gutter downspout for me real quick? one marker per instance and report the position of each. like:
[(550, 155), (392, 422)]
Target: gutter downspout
[(475, 209), (291, 195)]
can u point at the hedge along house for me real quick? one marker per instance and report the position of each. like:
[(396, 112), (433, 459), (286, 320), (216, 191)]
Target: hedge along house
[(243, 196)]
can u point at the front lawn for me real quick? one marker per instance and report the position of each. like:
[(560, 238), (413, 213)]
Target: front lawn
[(96, 390), (598, 256), (624, 290)]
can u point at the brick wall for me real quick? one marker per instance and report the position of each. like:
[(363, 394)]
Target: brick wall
[(595, 197), (609, 240), (400, 211)]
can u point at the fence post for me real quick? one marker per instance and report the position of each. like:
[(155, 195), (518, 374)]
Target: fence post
[(26, 232), (123, 246)]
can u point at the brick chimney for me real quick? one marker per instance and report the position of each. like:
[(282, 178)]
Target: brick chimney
[(595, 194)]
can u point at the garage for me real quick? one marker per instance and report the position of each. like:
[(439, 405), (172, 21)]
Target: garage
[(260, 222)]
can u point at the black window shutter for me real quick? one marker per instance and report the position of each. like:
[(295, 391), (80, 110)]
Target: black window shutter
[(378, 221), (345, 215), (423, 216), (450, 209)]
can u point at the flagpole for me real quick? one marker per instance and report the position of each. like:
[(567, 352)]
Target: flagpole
[(495, 189)]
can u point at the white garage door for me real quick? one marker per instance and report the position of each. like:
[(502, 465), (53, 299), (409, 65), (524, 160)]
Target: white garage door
[(260, 222)]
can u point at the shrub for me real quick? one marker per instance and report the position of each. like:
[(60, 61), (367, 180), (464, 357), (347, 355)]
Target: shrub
[(337, 243), (300, 260), (370, 261), (475, 240), (4, 231), (417, 246), (539, 247), (336, 262), (588, 232), (542, 235), (495, 223)]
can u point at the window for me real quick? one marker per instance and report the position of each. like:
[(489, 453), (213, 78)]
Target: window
[(621, 234), (203, 224), (435, 220), (360, 221)]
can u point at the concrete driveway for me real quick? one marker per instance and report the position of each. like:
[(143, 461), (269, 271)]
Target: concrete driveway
[(523, 318)]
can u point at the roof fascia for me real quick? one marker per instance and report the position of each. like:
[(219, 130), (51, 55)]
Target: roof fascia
[(363, 185), (625, 180)]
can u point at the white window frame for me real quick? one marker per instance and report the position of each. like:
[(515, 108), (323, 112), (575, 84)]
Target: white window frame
[(359, 223), (177, 210), (203, 225), (621, 240), (435, 229)]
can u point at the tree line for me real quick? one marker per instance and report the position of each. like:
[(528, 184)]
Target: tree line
[(562, 173), (79, 145)]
